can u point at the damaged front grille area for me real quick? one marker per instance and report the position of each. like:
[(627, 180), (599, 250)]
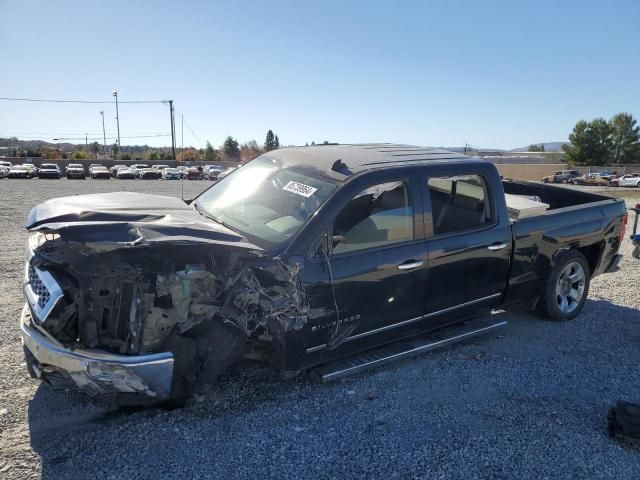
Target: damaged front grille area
[(42, 291), (131, 301), (38, 287)]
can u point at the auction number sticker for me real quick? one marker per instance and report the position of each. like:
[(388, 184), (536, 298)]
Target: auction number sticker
[(300, 189)]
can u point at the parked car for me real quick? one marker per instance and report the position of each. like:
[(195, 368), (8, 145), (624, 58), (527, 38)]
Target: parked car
[(113, 170), (171, 174), (138, 166), (211, 172), (75, 170), (226, 172), (561, 176), (591, 179), (628, 180), (148, 173), (183, 170), (22, 171), (193, 173), (304, 256), (5, 163), (99, 171), (4, 171), (49, 170), (125, 173), (160, 167)]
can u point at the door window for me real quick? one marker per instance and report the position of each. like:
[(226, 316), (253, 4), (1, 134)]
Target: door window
[(377, 216), (459, 203)]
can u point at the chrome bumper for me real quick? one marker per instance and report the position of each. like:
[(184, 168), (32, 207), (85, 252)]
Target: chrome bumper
[(96, 372)]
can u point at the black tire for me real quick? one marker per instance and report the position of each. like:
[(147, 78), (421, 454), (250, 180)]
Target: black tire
[(565, 292), (564, 182)]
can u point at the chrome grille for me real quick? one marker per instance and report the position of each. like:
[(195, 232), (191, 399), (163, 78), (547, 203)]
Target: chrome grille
[(38, 287), (42, 292)]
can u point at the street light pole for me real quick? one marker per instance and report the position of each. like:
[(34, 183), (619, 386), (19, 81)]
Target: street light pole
[(104, 135), (115, 94)]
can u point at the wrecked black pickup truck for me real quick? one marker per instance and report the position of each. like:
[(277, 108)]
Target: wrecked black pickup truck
[(301, 256)]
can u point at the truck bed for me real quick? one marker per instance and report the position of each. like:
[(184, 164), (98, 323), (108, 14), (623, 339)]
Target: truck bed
[(589, 222), (556, 197)]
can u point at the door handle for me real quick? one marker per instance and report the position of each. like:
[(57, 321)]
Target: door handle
[(411, 264), (497, 246)]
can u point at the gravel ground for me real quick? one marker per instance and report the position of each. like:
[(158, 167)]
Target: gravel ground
[(528, 402)]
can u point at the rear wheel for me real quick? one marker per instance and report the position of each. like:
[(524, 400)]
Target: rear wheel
[(567, 288), (564, 180)]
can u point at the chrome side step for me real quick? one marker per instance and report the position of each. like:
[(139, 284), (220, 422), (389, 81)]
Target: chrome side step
[(402, 349)]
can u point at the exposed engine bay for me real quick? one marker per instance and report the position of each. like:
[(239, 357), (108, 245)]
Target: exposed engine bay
[(206, 304)]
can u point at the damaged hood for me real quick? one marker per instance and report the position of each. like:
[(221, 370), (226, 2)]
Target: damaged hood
[(121, 219)]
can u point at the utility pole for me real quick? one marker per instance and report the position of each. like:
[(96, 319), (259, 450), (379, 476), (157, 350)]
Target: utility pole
[(104, 135), (86, 141), (182, 118), (115, 94), (173, 131)]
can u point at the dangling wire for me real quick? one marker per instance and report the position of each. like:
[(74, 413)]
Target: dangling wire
[(333, 291)]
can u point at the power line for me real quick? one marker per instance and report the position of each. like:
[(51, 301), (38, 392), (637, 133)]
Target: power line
[(14, 99)]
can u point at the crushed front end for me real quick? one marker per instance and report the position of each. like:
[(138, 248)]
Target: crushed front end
[(132, 317)]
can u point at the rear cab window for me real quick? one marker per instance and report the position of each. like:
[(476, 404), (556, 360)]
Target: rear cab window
[(459, 203)]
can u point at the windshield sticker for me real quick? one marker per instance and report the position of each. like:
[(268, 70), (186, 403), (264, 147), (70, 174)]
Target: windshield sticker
[(300, 189)]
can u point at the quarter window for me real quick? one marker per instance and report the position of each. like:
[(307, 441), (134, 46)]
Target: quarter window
[(459, 203), (377, 216)]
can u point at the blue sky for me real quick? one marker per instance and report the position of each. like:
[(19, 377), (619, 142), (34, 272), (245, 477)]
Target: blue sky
[(491, 73)]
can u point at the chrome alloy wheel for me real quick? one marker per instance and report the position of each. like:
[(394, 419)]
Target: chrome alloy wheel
[(570, 287)]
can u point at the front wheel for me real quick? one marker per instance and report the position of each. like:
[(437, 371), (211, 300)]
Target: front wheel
[(564, 181), (566, 290)]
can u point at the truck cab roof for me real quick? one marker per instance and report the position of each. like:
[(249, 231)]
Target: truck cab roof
[(339, 162)]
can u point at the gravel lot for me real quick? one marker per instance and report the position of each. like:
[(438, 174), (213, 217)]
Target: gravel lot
[(527, 402)]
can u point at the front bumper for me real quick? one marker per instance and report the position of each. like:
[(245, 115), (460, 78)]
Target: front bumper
[(120, 379), (49, 175)]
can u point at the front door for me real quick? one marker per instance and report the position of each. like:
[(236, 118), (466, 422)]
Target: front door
[(377, 263)]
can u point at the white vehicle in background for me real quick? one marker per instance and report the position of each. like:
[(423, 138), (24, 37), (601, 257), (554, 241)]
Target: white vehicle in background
[(170, 173), (5, 163), (136, 167), (160, 167), (4, 171), (628, 180), (226, 172)]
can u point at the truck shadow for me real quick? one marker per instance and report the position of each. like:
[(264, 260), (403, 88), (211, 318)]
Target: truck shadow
[(68, 430)]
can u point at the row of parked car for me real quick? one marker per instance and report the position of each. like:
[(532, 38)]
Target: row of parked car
[(97, 171), (604, 178)]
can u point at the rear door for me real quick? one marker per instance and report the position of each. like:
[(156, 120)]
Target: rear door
[(469, 243)]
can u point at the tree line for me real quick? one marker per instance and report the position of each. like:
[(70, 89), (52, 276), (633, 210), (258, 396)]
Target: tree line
[(604, 142)]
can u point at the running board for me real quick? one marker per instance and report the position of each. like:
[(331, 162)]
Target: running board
[(402, 349)]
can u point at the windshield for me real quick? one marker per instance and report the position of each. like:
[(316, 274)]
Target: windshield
[(266, 200)]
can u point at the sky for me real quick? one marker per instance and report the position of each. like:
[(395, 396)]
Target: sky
[(494, 74)]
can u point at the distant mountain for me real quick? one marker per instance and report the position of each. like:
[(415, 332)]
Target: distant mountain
[(548, 147)]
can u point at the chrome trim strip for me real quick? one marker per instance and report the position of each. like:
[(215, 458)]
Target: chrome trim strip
[(416, 350), (466, 304), (407, 322), (317, 348)]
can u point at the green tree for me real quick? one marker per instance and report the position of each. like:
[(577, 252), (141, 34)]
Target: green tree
[(625, 135), (95, 149), (270, 141), (126, 156), (115, 149), (536, 148), (80, 155), (590, 143), (152, 155), (210, 154), (231, 148), (276, 142)]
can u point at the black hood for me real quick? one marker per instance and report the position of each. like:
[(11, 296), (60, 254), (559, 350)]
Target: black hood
[(122, 219)]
